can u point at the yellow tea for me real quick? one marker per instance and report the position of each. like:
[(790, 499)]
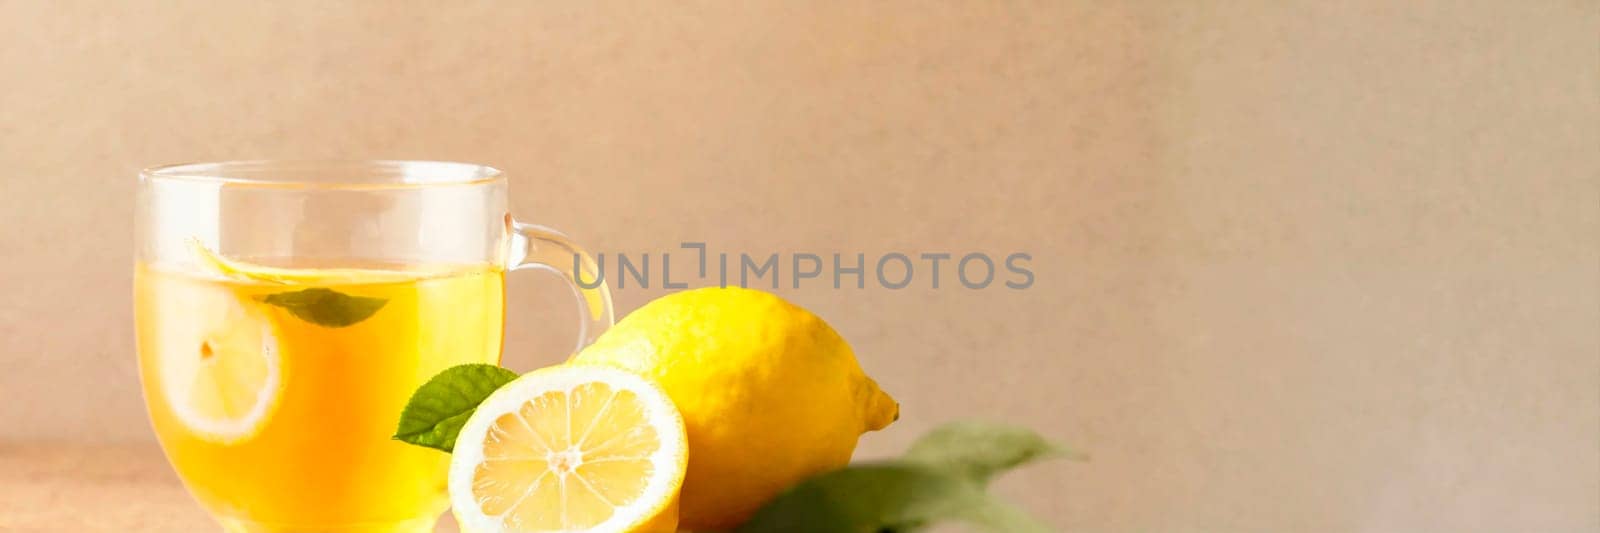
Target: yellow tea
[(275, 395)]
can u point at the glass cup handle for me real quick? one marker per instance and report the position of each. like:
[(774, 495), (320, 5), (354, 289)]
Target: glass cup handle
[(541, 248)]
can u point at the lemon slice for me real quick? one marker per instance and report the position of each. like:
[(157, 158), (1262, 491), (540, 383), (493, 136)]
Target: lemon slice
[(241, 270), (220, 369), (570, 448)]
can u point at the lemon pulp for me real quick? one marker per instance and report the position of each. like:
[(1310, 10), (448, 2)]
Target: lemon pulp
[(570, 449)]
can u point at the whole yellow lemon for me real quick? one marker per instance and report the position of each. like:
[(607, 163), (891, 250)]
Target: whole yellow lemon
[(770, 394)]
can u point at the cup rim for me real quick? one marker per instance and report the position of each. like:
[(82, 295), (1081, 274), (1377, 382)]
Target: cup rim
[(341, 174)]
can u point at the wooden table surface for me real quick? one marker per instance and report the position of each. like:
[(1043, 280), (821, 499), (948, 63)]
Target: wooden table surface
[(82, 488)]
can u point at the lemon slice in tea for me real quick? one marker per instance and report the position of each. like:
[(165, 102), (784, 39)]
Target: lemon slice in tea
[(230, 268), (570, 448), (220, 370)]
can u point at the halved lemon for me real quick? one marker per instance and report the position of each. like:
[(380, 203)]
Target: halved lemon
[(570, 448), (220, 367)]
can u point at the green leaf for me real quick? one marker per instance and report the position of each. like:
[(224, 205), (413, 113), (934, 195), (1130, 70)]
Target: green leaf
[(941, 478), (440, 407), (326, 307), (980, 450), (886, 497)]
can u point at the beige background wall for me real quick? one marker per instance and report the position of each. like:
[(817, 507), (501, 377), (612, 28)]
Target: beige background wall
[(1300, 267)]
